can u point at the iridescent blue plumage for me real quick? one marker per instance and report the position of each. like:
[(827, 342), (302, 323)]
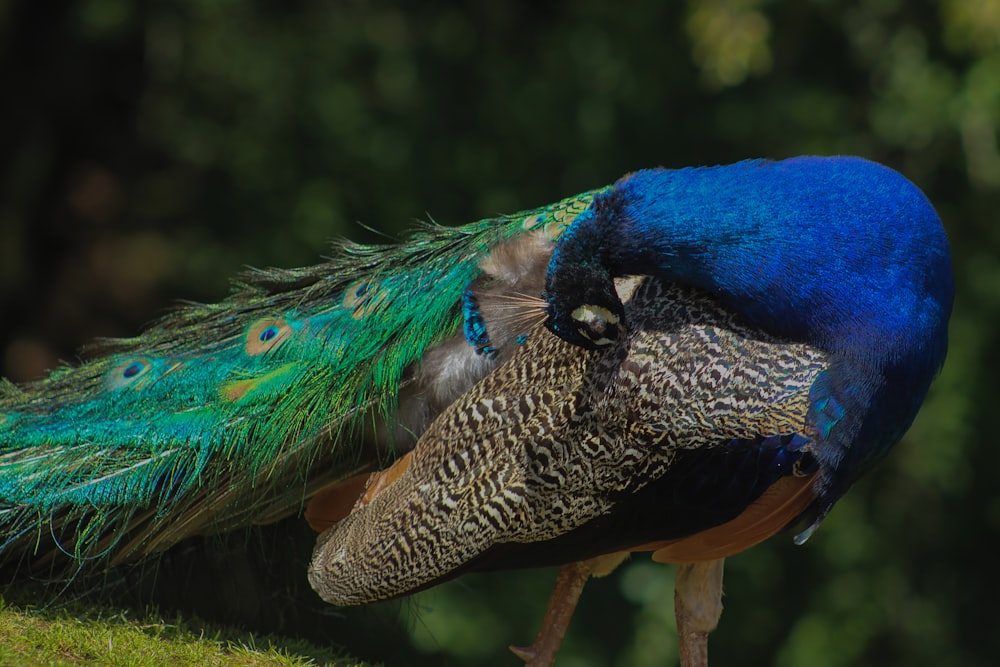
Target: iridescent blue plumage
[(839, 253), (791, 318), (474, 324)]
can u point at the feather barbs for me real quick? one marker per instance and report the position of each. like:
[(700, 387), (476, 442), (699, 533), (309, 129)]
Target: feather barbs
[(492, 319), (267, 384)]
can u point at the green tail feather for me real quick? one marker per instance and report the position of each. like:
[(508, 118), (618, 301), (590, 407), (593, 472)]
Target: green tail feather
[(233, 413)]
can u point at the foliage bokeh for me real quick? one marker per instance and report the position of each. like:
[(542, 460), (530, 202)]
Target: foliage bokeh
[(149, 150)]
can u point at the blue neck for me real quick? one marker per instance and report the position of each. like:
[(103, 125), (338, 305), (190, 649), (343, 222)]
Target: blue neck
[(839, 253)]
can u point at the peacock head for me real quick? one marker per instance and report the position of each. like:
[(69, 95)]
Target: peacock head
[(583, 307)]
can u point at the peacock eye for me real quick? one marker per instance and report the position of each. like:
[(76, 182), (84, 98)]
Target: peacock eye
[(266, 335), (132, 370), (128, 372), (361, 298)]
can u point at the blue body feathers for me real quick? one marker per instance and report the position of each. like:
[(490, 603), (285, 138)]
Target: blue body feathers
[(840, 253), (227, 414)]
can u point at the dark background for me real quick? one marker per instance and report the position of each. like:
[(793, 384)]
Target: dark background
[(150, 150)]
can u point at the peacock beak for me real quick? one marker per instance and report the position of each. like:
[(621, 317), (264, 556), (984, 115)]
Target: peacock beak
[(597, 324)]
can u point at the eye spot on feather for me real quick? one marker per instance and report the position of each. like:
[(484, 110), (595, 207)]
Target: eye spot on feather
[(128, 372), (361, 298), (266, 335)]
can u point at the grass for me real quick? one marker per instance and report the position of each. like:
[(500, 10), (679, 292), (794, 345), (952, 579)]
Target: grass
[(75, 635)]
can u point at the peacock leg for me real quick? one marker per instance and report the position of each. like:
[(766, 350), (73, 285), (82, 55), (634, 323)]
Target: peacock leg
[(562, 604), (698, 606)]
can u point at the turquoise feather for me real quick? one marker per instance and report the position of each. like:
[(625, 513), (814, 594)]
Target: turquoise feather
[(225, 414), (792, 319)]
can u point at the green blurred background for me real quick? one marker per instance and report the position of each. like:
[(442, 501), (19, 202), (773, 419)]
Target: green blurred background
[(150, 150)]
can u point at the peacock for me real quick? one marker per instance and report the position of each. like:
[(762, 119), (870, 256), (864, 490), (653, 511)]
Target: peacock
[(685, 362)]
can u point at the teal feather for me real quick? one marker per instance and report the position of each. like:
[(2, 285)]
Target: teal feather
[(761, 354), (226, 414)]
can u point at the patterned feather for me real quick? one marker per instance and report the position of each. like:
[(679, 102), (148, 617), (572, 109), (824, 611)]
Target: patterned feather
[(790, 323), (561, 456), (839, 253), (793, 318), (233, 413)]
